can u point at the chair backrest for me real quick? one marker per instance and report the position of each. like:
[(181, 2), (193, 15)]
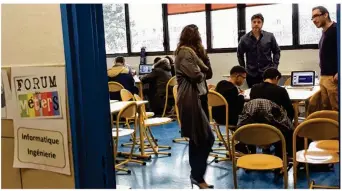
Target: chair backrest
[(126, 95), (258, 134), (172, 81), (174, 91), (216, 99), (288, 82), (327, 114), (115, 86), (317, 129)]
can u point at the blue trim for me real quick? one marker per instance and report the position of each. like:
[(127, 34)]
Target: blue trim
[(338, 24), (86, 70)]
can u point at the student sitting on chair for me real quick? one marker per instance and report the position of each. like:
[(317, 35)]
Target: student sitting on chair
[(159, 77), (123, 75), (278, 111), (231, 92)]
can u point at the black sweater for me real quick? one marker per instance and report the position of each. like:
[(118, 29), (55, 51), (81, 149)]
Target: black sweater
[(235, 103), (274, 93), (328, 51)]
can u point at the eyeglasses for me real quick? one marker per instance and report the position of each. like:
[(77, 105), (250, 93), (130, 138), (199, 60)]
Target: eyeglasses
[(314, 16)]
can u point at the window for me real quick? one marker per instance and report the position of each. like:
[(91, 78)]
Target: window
[(277, 19), (308, 32), (146, 24), (178, 22), (115, 28), (224, 28)]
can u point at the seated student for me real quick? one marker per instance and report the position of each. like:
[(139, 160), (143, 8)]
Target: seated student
[(121, 74), (230, 91), (271, 91), (159, 76), (271, 104)]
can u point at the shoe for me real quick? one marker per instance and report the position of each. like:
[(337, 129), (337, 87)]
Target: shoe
[(194, 182)]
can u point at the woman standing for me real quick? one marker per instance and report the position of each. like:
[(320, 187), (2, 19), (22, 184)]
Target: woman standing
[(192, 69)]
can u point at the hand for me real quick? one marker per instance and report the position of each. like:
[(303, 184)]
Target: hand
[(336, 77)]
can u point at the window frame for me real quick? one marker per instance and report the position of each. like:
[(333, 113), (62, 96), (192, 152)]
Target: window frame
[(241, 15)]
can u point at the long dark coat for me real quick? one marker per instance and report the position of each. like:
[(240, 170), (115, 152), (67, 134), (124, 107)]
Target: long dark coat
[(194, 122)]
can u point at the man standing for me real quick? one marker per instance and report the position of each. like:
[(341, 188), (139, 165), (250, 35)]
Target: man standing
[(327, 57), (258, 45)]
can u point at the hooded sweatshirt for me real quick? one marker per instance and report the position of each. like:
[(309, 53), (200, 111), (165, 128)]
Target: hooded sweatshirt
[(160, 75), (121, 74)]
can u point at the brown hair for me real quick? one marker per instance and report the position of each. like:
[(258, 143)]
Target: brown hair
[(190, 37)]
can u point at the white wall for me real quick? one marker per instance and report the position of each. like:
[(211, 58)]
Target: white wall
[(290, 60)]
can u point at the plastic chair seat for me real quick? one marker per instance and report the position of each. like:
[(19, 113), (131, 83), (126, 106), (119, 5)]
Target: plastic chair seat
[(317, 157), (259, 162), (122, 132), (157, 121)]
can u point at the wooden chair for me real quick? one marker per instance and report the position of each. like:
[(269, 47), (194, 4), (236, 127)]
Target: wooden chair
[(128, 96), (151, 122), (216, 99), (314, 129), (177, 140), (326, 145), (259, 135), (172, 82), (128, 111), (114, 87)]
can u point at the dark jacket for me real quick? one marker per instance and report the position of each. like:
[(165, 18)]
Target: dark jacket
[(157, 81), (194, 122), (235, 103), (122, 75), (274, 93)]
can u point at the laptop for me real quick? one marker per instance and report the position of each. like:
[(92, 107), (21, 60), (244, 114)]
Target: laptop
[(145, 69), (302, 79)]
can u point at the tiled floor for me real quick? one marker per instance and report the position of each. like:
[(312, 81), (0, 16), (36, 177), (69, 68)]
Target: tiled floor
[(173, 172)]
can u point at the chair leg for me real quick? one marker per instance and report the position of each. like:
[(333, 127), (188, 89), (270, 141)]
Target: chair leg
[(307, 173), (295, 164), (177, 140), (235, 175), (154, 146), (285, 178)]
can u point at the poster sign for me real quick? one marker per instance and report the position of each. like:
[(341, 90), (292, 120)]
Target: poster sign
[(37, 96), (40, 125)]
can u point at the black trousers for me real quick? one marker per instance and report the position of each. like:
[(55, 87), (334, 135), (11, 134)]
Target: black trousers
[(253, 80), (198, 154)]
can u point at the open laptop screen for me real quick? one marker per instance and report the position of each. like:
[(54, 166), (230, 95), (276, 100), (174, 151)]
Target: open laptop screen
[(303, 78), (145, 69)]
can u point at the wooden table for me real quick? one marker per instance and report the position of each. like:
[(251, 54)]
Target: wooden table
[(296, 96), (115, 107)]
